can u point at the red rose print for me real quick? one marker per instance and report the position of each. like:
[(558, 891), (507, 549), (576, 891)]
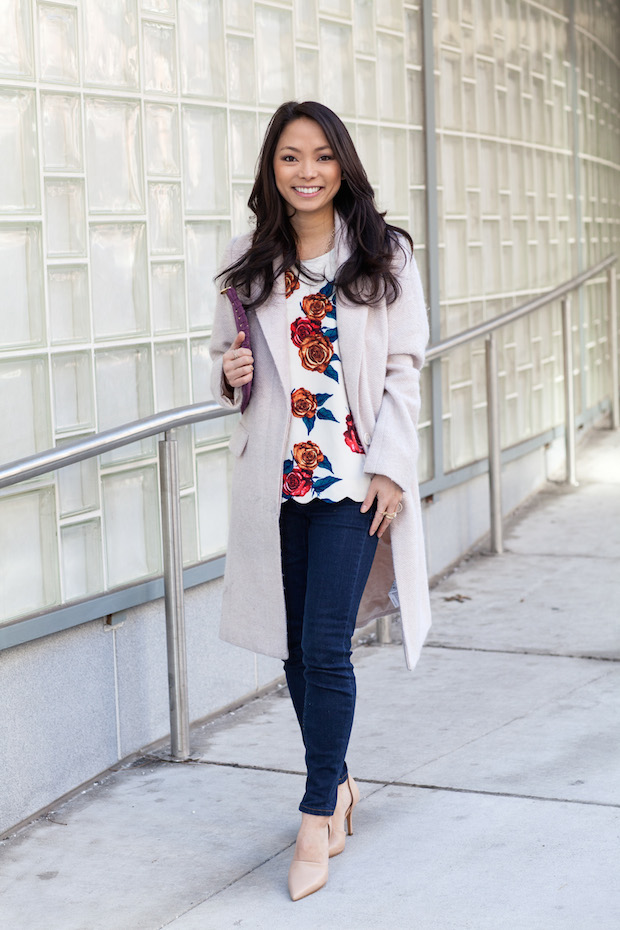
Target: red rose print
[(291, 283), (315, 306), (302, 329), (307, 455), (350, 436), (303, 403), (315, 352), (297, 483)]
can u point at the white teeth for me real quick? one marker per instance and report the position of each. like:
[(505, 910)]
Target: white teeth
[(307, 190)]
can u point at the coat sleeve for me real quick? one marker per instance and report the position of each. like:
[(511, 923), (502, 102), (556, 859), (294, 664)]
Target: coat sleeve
[(393, 450), (222, 337)]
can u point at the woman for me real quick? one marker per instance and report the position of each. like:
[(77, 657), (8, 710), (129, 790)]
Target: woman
[(325, 452)]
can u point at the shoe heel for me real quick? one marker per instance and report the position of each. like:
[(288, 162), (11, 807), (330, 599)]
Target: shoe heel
[(350, 822)]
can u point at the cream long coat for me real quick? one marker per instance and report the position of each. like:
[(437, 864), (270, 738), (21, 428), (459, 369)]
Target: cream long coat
[(382, 352)]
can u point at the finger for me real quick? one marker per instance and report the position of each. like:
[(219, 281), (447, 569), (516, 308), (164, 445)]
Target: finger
[(239, 340), (376, 523), (368, 500)]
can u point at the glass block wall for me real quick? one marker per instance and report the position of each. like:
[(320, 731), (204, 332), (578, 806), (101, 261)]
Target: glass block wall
[(128, 137), (518, 213)]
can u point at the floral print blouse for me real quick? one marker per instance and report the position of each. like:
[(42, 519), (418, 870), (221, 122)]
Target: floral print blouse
[(325, 456)]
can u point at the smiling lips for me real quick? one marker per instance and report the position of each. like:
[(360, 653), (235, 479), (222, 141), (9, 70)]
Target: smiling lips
[(307, 191)]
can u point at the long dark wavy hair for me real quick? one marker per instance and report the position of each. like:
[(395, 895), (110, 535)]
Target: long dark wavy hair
[(367, 276)]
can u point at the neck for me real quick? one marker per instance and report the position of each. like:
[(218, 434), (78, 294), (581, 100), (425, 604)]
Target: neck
[(314, 233)]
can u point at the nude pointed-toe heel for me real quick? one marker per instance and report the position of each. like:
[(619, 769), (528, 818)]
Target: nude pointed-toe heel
[(305, 877), (338, 835)]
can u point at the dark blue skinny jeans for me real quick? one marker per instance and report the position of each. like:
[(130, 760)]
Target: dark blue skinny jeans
[(327, 554)]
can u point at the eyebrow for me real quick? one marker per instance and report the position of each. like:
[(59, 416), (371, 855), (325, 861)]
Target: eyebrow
[(292, 148)]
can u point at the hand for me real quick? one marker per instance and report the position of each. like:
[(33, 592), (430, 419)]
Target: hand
[(388, 495), (238, 363)]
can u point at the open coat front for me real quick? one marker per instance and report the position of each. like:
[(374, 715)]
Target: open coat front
[(382, 351)]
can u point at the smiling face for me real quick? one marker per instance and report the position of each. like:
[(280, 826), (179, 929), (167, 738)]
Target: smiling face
[(307, 174)]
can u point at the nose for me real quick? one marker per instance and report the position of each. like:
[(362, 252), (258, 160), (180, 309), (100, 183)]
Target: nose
[(307, 168)]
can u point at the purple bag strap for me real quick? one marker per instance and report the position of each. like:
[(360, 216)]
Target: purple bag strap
[(241, 322)]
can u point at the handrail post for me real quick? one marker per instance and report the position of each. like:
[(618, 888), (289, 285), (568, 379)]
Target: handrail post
[(494, 440), (613, 346), (569, 393), (174, 600)]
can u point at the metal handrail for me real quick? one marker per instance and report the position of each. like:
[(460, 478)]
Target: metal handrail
[(488, 329), (44, 462)]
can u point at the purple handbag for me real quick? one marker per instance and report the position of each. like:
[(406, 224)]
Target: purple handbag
[(241, 322)]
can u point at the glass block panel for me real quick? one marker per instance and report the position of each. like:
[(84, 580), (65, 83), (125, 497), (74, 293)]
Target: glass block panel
[(417, 162), (189, 530), (368, 151), (489, 188), (336, 8), (168, 296), (124, 392), (65, 211), (366, 82), (171, 375), (212, 491), (240, 13), (61, 123), (243, 144), (391, 71), (211, 430), (337, 72), (390, 14), (162, 140), (28, 553), (67, 290), (159, 6), (201, 41), (274, 55), (415, 97), (118, 279), (205, 245), (455, 258), (16, 59), (491, 248), (81, 560), (160, 57), (485, 96), (306, 21), (74, 407), (308, 78), (451, 115), (365, 26), (241, 213), (393, 175), (205, 160), (413, 37), (110, 43), (19, 182), (241, 76), (131, 523), (114, 156), (453, 174), (21, 286), (166, 226), (58, 48), (78, 487), (24, 389)]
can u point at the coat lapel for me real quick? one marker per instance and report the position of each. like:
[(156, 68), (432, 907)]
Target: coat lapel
[(351, 319), (271, 317)]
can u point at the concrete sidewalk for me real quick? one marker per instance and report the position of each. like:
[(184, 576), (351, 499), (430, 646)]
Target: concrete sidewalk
[(490, 777)]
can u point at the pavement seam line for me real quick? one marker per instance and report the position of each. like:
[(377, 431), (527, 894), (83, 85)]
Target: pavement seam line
[(520, 652), (399, 783)]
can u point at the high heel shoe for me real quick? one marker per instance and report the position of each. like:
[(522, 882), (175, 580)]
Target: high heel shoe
[(338, 835), (307, 876)]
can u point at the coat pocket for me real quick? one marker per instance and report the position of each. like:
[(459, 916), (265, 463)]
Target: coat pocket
[(238, 440)]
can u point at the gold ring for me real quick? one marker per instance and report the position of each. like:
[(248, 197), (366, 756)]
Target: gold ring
[(389, 516), (236, 353)]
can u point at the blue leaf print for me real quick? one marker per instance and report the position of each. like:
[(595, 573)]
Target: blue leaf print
[(331, 334), (331, 313), (326, 415), (321, 398), (289, 465), (326, 463), (335, 358), (331, 372), (328, 290), (309, 421), (322, 484)]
